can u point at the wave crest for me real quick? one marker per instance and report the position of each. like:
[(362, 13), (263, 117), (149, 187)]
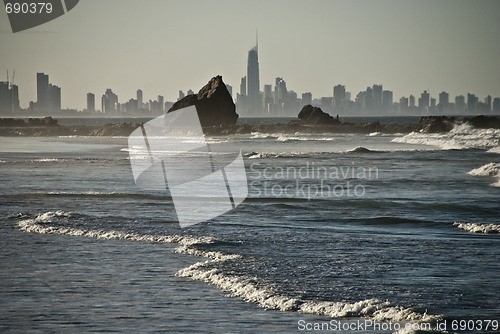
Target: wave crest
[(478, 228), (462, 136), (248, 288)]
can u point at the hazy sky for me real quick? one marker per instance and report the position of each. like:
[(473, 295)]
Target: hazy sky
[(164, 46)]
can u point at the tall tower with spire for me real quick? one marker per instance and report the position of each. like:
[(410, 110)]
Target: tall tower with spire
[(253, 82)]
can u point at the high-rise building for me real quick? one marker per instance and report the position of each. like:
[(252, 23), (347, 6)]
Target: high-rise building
[(412, 102), (5, 100), (387, 101), (268, 99), (403, 104), (54, 98), (48, 95), (90, 102), (424, 101), (377, 98), (14, 95), (140, 103), (338, 97), (253, 81), (444, 102), (306, 98), (109, 102), (487, 101), (42, 91), (280, 95), (496, 105), (243, 86), (460, 105), (472, 101)]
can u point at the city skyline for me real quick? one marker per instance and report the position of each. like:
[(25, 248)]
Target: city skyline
[(277, 102), (409, 46)]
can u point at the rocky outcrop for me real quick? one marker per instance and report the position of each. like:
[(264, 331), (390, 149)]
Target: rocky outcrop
[(484, 122), (434, 124), (310, 115), (213, 102), (120, 129)]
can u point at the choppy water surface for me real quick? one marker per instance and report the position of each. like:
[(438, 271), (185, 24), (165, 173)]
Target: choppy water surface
[(389, 228)]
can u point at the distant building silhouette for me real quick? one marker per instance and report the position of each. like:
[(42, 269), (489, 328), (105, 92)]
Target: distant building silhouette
[(338, 98), (140, 103), (496, 105), (109, 102), (306, 98), (90, 102), (48, 95), (254, 106)]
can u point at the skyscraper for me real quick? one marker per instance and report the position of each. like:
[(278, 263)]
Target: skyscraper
[(253, 82), (90, 102), (338, 97), (48, 95), (42, 91), (5, 100), (109, 101), (14, 94), (139, 99)]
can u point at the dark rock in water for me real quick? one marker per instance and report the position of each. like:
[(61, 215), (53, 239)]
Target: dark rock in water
[(310, 115), (11, 122), (484, 122), (213, 102), (120, 129), (47, 121), (434, 124)]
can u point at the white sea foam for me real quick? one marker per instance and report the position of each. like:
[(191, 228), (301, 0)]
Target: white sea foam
[(287, 137), (478, 228), (260, 135), (250, 290), (494, 150), (271, 155), (462, 136), (491, 169), (242, 286), (45, 160), (41, 224)]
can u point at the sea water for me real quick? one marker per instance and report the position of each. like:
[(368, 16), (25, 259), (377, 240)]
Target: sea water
[(337, 231)]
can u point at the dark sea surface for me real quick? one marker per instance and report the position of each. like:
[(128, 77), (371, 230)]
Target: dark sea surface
[(393, 229)]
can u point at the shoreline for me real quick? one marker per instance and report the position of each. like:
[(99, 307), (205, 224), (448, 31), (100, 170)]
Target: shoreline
[(49, 127)]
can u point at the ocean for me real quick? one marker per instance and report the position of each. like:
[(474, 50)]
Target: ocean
[(343, 233)]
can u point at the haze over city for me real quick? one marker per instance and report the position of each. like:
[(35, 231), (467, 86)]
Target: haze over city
[(164, 47)]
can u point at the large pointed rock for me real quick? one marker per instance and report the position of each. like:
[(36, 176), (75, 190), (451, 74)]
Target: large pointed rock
[(213, 102)]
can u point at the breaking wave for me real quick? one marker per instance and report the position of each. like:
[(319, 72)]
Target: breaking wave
[(491, 169), (462, 136), (494, 150), (251, 289), (47, 223), (285, 138), (274, 155), (478, 228)]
